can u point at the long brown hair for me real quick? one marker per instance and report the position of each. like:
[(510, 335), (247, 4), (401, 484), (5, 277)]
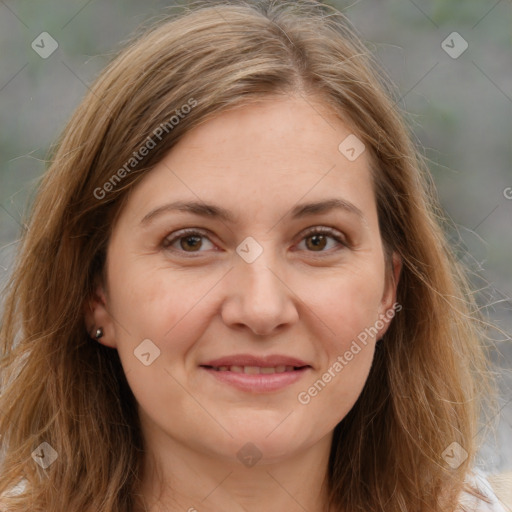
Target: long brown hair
[(60, 387)]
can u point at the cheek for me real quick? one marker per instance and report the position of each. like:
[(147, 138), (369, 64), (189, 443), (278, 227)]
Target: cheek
[(350, 303), (148, 305), (350, 308), (162, 305)]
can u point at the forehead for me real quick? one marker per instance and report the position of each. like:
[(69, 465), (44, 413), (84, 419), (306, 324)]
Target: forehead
[(279, 151), (280, 131)]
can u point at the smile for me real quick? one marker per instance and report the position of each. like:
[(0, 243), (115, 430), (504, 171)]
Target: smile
[(256, 379), (254, 370)]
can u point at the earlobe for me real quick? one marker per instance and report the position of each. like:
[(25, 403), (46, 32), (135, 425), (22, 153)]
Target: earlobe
[(98, 320)]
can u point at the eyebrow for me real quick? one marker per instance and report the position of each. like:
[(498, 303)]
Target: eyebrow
[(218, 212)]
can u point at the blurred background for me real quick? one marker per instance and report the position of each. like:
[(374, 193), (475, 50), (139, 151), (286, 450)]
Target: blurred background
[(450, 59)]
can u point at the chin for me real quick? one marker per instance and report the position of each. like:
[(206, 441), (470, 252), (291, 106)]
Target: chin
[(266, 445)]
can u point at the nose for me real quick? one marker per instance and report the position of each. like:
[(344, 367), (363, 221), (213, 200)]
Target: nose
[(258, 297)]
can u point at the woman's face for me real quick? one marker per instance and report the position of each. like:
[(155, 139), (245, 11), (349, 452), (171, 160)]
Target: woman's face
[(258, 325)]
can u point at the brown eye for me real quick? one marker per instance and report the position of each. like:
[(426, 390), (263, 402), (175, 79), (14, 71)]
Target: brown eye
[(190, 243), (186, 241), (317, 239), (317, 242)]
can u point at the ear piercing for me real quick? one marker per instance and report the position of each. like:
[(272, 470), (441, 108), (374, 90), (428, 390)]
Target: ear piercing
[(99, 333)]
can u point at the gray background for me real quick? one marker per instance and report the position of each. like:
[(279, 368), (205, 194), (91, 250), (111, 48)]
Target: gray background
[(460, 110)]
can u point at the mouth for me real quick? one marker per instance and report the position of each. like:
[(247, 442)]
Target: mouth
[(256, 370), (256, 374)]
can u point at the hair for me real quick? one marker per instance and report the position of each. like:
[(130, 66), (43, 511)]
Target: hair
[(430, 372)]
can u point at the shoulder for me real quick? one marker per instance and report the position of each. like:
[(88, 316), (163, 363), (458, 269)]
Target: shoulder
[(481, 483)]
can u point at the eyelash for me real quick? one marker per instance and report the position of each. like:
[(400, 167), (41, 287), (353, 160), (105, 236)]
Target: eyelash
[(321, 230)]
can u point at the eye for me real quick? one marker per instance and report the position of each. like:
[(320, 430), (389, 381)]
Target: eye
[(187, 240), (318, 239)]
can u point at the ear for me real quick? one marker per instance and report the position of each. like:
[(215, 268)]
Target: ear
[(387, 307), (96, 315)]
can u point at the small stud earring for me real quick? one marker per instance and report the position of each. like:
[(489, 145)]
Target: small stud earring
[(99, 333)]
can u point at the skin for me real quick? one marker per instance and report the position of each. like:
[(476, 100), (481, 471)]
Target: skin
[(203, 301)]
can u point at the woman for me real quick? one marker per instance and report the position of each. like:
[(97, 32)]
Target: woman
[(234, 292)]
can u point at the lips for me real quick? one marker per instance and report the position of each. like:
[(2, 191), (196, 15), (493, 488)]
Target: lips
[(250, 361), (255, 370), (257, 374)]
